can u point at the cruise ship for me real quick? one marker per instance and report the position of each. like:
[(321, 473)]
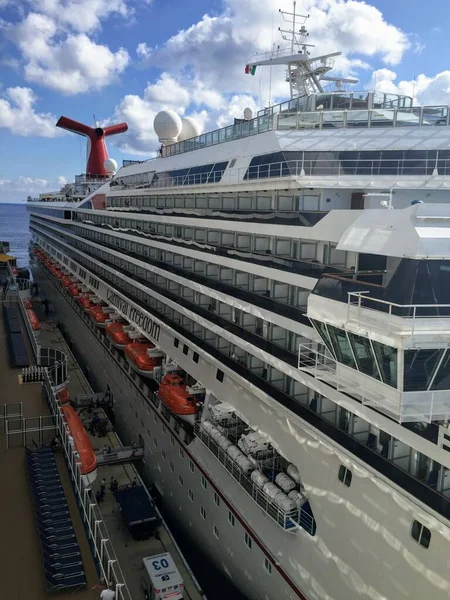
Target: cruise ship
[(268, 305)]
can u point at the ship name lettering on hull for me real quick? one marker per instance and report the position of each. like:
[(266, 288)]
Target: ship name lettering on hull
[(143, 321)]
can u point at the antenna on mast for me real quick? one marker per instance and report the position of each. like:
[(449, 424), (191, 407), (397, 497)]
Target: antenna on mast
[(304, 73)]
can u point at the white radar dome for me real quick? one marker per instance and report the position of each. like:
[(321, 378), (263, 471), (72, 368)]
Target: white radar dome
[(248, 113), (167, 125), (110, 165), (190, 128)]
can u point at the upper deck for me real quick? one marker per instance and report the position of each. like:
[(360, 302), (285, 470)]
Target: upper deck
[(319, 111)]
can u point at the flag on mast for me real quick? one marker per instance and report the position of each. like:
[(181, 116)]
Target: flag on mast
[(250, 70)]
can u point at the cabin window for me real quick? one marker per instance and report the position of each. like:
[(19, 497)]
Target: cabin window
[(172, 440), (195, 357), (163, 454), (164, 430), (180, 480), (155, 442), (248, 540), (421, 534), (231, 520), (191, 495), (267, 565), (219, 375), (204, 483), (345, 475), (203, 512), (216, 531), (176, 342), (217, 498), (191, 466), (185, 349), (171, 467), (181, 453)]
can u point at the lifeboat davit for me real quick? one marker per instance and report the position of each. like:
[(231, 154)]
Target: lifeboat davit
[(117, 336), (174, 395), (140, 361), (83, 445), (64, 396), (34, 321), (27, 303), (98, 315)]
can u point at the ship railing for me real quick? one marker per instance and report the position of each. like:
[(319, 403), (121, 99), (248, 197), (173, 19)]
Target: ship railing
[(421, 406), (290, 521), (357, 110), (396, 318), (97, 532), (55, 361), (430, 164)]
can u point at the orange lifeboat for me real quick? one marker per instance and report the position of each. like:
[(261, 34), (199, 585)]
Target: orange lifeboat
[(59, 274), (82, 443), (174, 394), (27, 303), (118, 337), (48, 264), (64, 396), (66, 281), (74, 290), (85, 301), (34, 321), (140, 361), (98, 315)]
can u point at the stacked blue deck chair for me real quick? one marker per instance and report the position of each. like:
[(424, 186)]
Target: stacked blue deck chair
[(61, 554), (16, 345)]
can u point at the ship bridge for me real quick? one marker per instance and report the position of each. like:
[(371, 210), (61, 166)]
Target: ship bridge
[(385, 332)]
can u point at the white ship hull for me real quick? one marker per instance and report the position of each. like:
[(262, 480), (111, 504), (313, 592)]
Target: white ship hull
[(362, 548)]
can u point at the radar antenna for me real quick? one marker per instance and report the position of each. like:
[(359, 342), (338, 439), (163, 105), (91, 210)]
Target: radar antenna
[(304, 73)]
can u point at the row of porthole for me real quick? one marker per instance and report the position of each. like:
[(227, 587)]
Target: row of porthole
[(419, 533), (195, 357)]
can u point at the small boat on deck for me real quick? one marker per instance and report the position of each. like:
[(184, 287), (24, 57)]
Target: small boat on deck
[(27, 303), (74, 290), (64, 396), (34, 321), (98, 315), (116, 334), (82, 443), (143, 357), (175, 396), (85, 300), (66, 281)]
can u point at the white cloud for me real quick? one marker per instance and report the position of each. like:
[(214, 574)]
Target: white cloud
[(73, 65), (18, 115), (426, 90), (17, 190)]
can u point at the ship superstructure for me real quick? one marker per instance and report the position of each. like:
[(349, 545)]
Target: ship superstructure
[(284, 283)]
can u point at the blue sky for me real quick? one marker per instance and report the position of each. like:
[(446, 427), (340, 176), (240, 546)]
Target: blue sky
[(127, 59)]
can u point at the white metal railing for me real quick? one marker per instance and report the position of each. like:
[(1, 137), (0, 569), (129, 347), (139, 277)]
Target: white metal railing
[(339, 167), (401, 406), (397, 318), (290, 521), (96, 529)]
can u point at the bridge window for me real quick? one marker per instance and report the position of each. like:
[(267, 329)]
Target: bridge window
[(420, 366), (364, 355), (442, 377), (421, 534), (341, 346), (387, 362)]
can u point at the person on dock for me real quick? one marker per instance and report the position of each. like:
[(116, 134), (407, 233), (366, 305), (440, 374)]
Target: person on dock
[(107, 592)]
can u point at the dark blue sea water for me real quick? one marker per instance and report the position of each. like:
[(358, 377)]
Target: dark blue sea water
[(14, 229)]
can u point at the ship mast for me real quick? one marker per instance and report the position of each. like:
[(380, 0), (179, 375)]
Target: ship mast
[(304, 72)]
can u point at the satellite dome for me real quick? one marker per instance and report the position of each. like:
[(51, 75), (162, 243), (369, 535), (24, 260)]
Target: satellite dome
[(167, 125), (110, 165), (190, 128), (248, 113)]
